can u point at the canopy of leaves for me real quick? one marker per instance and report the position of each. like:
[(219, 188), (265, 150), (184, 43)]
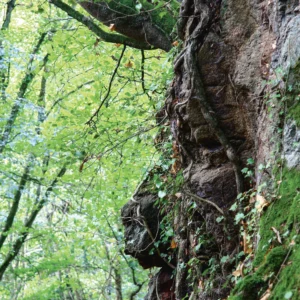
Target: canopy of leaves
[(77, 127)]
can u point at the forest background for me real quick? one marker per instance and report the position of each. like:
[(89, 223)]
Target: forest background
[(66, 171)]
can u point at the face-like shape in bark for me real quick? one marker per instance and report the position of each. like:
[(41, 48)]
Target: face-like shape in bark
[(139, 217)]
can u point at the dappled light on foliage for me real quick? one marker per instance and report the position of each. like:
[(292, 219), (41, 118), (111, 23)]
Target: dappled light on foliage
[(78, 124)]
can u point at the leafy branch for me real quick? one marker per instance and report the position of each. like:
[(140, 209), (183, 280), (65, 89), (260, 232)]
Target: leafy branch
[(105, 36), (67, 95)]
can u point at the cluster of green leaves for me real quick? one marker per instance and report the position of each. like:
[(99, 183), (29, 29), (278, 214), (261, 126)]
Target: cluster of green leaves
[(78, 167)]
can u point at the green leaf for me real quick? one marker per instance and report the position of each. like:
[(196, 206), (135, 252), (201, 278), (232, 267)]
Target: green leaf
[(224, 259), (288, 295), (220, 219), (233, 207), (250, 161), (239, 217), (162, 194)]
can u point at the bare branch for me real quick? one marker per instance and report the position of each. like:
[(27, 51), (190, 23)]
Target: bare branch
[(196, 197), (109, 87)]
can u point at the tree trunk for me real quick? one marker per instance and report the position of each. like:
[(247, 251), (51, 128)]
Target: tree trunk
[(234, 117)]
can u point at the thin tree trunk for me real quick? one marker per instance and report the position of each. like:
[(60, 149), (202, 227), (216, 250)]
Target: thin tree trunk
[(15, 205), (118, 283), (9, 9), (4, 74), (28, 224), (29, 76)]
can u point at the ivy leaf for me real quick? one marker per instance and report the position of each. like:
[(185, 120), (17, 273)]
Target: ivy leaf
[(224, 259), (250, 161), (162, 194), (220, 219), (288, 295), (233, 207), (239, 217), (138, 7)]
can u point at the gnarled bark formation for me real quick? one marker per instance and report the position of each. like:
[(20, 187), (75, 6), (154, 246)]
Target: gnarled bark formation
[(219, 119)]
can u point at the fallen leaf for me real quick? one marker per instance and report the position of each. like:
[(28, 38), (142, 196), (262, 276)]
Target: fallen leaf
[(236, 273), (277, 234), (173, 244), (239, 270), (261, 203), (247, 249), (112, 27), (252, 200), (118, 45), (175, 167), (245, 242)]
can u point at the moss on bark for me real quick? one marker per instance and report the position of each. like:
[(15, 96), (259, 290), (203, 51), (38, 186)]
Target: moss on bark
[(274, 263)]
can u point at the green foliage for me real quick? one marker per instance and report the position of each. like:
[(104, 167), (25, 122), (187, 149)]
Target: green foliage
[(293, 99), (248, 289), (278, 255), (75, 241), (282, 214)]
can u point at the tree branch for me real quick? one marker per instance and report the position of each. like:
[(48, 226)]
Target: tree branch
[(196, 197), (109, 87), (138, 285), (67, 95), (107, 37)]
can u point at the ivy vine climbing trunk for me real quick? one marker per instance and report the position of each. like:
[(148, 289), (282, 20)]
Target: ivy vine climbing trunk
[(227, 143)]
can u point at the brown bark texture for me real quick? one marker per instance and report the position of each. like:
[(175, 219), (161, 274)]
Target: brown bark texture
[(235, 54)]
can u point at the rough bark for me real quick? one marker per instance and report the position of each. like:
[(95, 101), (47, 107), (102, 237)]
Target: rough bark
[(222, 113)]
